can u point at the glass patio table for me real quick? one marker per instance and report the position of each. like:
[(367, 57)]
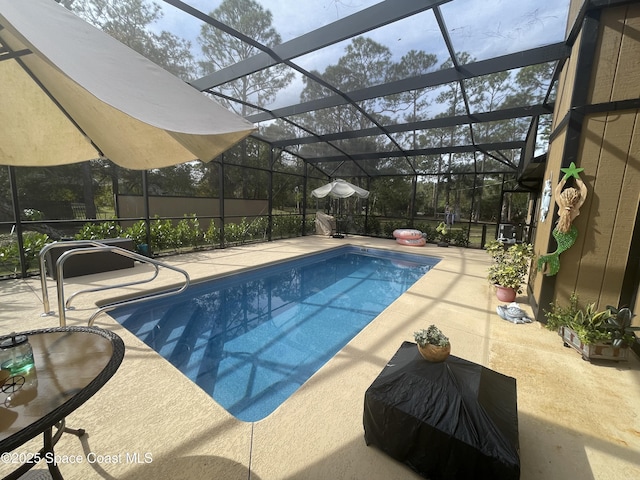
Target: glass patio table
[(70, 365)]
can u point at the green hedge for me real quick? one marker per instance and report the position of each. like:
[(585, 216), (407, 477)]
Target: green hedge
[(10, 255), (186, 234)]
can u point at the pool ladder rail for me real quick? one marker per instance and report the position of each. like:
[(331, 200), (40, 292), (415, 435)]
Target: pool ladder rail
[(85, 247)]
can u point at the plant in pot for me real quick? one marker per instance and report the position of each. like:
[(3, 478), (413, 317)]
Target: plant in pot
[(509, 268), (433, 345), (443, 234), (619, 325), (604, 334)]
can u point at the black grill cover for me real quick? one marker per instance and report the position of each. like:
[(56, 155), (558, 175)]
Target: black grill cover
[(449, 420)]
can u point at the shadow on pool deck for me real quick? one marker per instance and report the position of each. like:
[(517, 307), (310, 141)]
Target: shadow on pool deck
[(576, 419)]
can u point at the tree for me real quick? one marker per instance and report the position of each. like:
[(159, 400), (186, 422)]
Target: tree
[(221, 50), (414, 103), (129, 21), (392, 195), (365, 63), (530, 87), (451, 98)]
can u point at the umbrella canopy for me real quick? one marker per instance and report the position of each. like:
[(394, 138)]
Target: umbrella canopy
[(339, 189), (71, 92), (454, 419)]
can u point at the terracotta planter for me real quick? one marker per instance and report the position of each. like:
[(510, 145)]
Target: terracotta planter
[(505, 294), (434, 353)]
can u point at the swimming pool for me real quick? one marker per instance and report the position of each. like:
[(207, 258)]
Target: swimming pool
[(252, 339)]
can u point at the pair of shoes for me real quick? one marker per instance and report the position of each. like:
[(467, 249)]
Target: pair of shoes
[(513, 313)]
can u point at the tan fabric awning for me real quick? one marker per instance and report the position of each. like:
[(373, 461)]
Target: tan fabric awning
[(134, 112)]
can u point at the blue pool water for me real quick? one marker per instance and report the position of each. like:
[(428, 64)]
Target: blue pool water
[(251, 339)]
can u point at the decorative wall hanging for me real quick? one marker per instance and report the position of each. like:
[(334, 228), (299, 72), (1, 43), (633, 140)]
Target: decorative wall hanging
[(569, 202), (546, 199)]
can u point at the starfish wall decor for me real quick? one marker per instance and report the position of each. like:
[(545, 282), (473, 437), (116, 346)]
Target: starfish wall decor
[(569, 202)]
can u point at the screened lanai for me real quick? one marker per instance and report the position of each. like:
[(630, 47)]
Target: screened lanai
[(461, 107), (432, 106)]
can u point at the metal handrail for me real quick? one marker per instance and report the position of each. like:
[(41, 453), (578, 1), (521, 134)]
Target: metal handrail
[(132, 301), (107, 287), (43, 276), (97, 247), (111, 306)]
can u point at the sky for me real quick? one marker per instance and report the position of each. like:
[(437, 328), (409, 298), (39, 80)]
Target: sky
[(484, 28), (473, 24)]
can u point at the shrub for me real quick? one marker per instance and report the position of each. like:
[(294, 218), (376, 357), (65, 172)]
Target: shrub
[(310, 225), (188, 233), (460, 236), (137, 232), (10, 257), (234, 232), (390, 226), (257, 229), (32, 243), (162, 235), (212, 235), (32, 214), (97, 231), (286, 226), (510, 265), (560, 316), (373, 226)]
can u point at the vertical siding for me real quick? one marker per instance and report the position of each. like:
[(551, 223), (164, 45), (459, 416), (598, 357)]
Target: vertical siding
[(626, 84), (605, 223), (612, 148), (609, 151), (574, 9), (607, 55), (565, 85)]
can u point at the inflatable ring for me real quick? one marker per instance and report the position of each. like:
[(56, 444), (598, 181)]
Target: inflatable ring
[(412, 242), (407, 233)]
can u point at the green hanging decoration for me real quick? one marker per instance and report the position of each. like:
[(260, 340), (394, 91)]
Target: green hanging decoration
[(569, 202)]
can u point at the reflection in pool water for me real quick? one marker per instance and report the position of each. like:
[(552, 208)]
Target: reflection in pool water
[(251, 339)]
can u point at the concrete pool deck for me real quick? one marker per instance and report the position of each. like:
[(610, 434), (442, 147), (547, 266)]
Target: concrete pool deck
[(576, 419)]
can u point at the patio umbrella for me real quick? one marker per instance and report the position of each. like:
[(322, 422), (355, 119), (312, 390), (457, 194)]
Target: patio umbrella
[(73, 93), (340, 189)]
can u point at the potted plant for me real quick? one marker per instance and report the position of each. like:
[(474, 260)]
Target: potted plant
[(509, 268), (433, 345), (604, 335), (443, 233), (619, 325)]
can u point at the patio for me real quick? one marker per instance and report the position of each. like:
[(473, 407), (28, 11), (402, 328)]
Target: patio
[(576, 419)]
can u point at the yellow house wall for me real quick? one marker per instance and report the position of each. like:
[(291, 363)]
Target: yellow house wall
[(609, 151)]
